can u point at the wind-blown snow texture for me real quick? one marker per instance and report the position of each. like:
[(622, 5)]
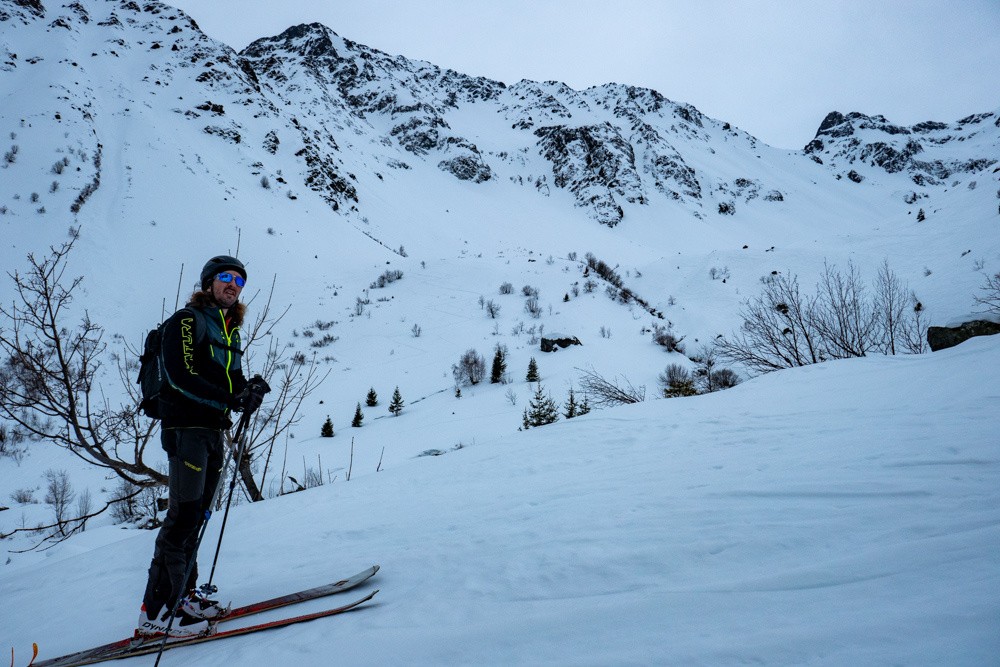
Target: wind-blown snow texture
[(844, 513)]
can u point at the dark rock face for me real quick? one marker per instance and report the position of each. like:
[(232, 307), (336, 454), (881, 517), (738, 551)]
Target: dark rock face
[(24, 10), (558, 341), (940, 338), (467, 168), (875, 141), (595, 163)]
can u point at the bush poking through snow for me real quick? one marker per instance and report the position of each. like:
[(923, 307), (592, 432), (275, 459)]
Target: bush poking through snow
[(784, 328), (676, 381), (470, 369), (667, 339), (990, 294), (387, 278), (609, 393)]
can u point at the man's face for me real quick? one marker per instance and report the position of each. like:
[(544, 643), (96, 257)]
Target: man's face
[(226, 293)]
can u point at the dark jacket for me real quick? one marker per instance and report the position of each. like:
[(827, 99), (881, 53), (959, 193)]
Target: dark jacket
[(202, 359)]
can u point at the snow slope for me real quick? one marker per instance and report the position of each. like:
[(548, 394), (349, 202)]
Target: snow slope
[(845, 513)]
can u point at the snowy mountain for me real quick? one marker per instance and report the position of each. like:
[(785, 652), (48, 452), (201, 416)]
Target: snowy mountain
[(844, 512)]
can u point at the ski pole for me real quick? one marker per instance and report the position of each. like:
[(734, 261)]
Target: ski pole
[(241, 427), (207, 588), (260, 387)]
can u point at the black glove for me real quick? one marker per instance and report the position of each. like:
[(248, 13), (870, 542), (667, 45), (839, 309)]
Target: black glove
[(259, 385), (246, 401), (252, 396)]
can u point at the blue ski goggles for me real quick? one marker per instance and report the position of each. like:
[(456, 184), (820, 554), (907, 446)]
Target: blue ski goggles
[(228, 278)]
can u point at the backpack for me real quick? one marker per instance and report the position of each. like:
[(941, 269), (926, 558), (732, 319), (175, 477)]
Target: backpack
[(152, 378)]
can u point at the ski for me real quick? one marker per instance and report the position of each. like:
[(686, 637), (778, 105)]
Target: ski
[(301, 596), (127, 647), (153, 645)]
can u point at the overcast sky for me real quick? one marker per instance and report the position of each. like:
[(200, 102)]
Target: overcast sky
[(774, 68)]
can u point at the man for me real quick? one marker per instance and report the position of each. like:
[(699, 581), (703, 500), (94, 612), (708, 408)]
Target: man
[(201, 358)]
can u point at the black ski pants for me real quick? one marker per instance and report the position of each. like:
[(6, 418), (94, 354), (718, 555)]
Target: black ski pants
[(195, 458)]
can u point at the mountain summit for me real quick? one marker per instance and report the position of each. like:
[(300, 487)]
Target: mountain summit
[(613, 148)]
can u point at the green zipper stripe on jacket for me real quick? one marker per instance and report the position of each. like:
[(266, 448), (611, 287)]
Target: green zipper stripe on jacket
[(229, 349)]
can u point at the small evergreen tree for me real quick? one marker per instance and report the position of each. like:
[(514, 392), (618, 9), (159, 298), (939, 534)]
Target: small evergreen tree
[(532, 375), (396, 405), (584, 406), (571, 406), (327, 430), (372, 399), (541, 410), (358, 417), (499, 365)]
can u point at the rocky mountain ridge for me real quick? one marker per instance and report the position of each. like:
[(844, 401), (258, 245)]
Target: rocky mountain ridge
[(612, 147), (874, 140)]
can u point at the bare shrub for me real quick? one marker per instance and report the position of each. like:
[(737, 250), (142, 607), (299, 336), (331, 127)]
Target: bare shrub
[(777, 330), (724, 378), (608, 393), (845, 316), (889, 309), (470, 369), (783, 327), (48, 380), (915, 329), (387, 278), (708, 376), (58, 495), (667, 339), (135, 505), (604, 271), (23, 496), (12, 443), (990, 294)]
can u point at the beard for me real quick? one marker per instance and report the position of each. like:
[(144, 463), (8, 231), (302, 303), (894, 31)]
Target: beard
[(225, 295)]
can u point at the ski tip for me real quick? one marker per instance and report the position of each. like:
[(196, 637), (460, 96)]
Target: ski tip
[(34, 653)]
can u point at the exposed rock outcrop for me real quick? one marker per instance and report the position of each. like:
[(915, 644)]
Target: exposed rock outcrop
[(940, 338), (920, 150), (554, 342)]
